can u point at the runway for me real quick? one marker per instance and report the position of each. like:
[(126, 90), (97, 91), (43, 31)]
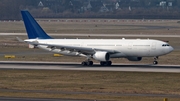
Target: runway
[(95, 67)]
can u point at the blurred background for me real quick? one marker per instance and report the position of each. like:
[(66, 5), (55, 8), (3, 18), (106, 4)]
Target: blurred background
[(114, 9)]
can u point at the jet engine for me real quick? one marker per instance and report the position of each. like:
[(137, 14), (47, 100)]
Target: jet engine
[(101, 56), (134, 58)]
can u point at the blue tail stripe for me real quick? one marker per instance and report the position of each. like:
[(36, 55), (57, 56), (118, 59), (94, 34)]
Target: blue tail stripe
[(33, 29)]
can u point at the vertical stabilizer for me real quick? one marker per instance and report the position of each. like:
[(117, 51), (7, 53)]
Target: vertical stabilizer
[(33, 29)]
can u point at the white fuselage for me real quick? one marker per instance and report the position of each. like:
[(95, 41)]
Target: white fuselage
[(123, 47), (99, 49)]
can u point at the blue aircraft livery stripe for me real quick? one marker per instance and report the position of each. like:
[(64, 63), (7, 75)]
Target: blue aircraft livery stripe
[(33, 29)]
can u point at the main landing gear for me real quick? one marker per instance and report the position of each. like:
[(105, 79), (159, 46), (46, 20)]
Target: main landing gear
[(155, 62), (102, 63), (87, 63), (105, 63)]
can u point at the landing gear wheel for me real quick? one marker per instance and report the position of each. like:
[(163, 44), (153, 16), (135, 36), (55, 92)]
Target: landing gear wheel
[(155, 62), (105, 63), (90, 63), (109, 63), (84, 63), (87, 63), (102, 63)]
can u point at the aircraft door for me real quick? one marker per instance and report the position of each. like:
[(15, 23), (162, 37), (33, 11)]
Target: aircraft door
[(153, 47), (130, 45)]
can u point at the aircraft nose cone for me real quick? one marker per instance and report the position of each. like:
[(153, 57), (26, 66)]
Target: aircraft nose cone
[(171, 49), (168, 50)]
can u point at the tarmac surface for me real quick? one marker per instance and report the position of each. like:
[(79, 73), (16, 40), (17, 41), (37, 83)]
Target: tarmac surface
[(95, 67)]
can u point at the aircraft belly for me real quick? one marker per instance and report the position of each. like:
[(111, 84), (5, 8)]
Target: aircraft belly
[(139, 52), (117, 55)]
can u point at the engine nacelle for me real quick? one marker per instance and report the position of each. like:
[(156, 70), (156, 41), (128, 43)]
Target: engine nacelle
[(134, 58), (101, 56)]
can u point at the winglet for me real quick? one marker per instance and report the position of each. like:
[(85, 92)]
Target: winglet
[(19, 39), (33, 29)]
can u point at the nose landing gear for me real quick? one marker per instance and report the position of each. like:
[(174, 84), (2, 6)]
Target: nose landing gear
[(155, 62)]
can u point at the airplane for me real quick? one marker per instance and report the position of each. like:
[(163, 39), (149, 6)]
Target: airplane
[(102, 50)]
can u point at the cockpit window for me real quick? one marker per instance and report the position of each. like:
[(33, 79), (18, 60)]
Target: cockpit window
[(165, 45)]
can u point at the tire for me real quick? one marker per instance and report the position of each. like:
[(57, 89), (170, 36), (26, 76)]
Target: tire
[(84, 63), (109, 63), (155, 62), (90, 63), (105, 63), (102, 63)]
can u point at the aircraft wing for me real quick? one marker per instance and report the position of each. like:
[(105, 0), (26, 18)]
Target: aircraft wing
[(83, 50)]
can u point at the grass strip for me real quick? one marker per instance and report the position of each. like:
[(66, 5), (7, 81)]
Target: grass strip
[(88, 81)]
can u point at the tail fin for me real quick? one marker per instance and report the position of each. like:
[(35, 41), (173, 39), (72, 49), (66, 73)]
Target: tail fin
[(33, 29)]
